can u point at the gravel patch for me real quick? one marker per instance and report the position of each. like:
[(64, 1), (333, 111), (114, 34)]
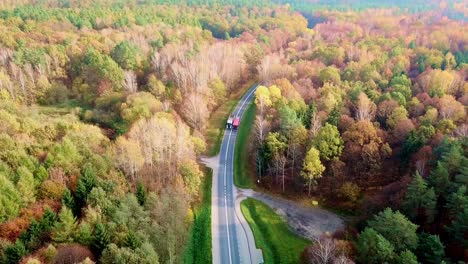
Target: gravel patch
[(307, 222)]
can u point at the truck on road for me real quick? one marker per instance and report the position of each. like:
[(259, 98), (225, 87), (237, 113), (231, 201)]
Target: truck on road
[(235, 123)]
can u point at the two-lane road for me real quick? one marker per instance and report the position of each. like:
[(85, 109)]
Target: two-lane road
[(232, 238)]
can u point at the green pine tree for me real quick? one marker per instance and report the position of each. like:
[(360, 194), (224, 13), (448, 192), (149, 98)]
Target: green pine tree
[(101, 239), (141, 194), (86, 183), (430, 249), (373, 248), (14, 253), (66, 227), (439, 179), (69, 201), (420, 201), (132, 241)]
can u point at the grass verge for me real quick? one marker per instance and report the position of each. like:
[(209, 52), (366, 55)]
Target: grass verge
[(199, 249), (217, 121), (278, 243), (243, 175)]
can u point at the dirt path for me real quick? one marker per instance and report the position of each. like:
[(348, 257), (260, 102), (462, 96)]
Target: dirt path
[(307, 222)]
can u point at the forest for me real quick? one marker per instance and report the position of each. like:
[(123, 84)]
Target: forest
[(105, 105)]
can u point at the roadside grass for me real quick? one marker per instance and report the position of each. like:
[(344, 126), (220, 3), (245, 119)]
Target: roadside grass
[(214, 131), (199, 248), (243, 175), (278, 243)]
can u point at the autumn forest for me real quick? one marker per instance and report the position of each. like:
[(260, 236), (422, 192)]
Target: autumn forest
[(106, 108)]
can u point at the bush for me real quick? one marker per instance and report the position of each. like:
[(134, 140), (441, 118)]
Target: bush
[(349, 191)]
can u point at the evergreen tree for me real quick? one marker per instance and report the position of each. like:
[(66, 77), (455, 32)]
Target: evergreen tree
[(334, 116), (38, 231), (132, 241), (306, 119), (66, 227), (462, 176), (126, 55), (48, 220), (69, 201), (14, 253), (439, 179), (420, 201), (457, 201), (459, 228), (373, 248), (430, 249), (86, 183), (141, 194), (101, 239), (396, 228), (406, 257)]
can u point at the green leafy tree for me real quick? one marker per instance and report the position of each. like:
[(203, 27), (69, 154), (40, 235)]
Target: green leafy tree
[(373, 248), (40, 174), (396, 228), (145, 254), (312, 168), (329, 142), (430, 249), (26, 185), (99, 70), (131, 215), (66, 227), (420, 201), (288, 117), (406, 257), (126, 55), (192, 176), (219, 90), (402, 84), (10, 199), (139, 105), (330, 74), (156, 87)]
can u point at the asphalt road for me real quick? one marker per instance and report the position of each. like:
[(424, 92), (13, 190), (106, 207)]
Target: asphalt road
[(232, 237)]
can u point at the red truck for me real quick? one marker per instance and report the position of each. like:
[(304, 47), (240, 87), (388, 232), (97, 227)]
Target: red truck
[(235, 123)]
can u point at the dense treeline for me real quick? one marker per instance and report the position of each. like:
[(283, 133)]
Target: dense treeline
[(103, 106), (351, 110)]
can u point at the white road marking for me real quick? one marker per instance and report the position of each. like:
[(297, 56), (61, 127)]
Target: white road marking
[(225, 198)]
